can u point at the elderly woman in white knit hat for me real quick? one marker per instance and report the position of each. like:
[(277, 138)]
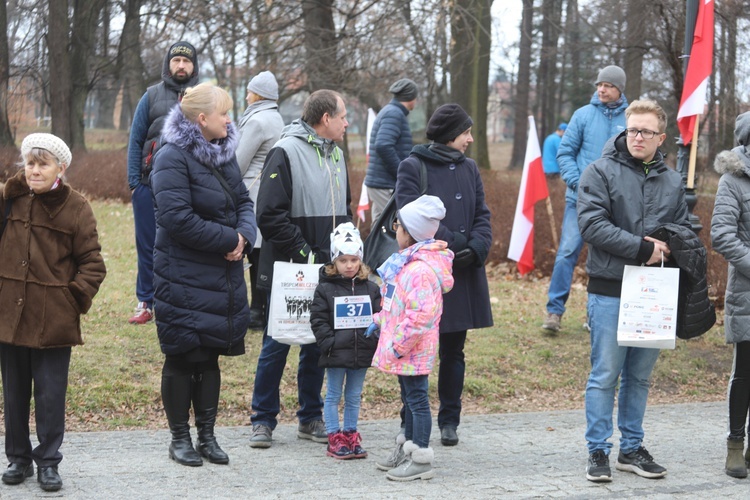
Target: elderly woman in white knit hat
[(50, 271), (260, 127)]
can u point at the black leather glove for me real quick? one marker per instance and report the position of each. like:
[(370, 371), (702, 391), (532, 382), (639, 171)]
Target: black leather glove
[(459, 242), (464, 258)]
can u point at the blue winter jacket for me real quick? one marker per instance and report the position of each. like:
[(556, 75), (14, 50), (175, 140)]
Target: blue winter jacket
[(200, 297), (549, 154), (390, 144), (583, 142)]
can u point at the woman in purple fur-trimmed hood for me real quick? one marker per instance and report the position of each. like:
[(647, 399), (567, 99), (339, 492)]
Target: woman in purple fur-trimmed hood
[(204, 221)]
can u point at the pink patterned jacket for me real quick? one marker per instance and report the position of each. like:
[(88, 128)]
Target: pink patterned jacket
[(414, 280)]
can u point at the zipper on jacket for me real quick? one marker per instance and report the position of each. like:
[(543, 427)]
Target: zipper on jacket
[(230, 319)]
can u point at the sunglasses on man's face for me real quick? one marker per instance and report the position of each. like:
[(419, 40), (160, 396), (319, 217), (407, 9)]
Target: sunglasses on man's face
[(396, 225)]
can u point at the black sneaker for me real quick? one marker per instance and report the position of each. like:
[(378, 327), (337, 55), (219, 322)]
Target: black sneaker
[(598, 469), (640, 462)]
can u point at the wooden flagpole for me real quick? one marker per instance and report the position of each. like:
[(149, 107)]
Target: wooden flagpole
[(693, 154), (552, 224)]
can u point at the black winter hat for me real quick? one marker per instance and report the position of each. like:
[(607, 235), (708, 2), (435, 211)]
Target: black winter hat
[(182, 49), (448, 122)]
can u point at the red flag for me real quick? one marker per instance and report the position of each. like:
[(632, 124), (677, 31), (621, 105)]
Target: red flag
[(533, 189), (698, 72)]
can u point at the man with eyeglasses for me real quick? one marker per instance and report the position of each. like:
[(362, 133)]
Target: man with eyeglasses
[(589, 129), (623, 197)]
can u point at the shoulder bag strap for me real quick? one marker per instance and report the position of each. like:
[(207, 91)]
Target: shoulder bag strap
[(225, 185), (422, 177)]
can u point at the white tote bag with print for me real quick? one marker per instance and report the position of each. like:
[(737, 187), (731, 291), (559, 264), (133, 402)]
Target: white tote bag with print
[(292, 292), (648, 307)]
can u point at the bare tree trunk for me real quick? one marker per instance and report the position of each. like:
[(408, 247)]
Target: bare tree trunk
[(320, 42), (470, 67), (85, 21), (106, 87), (727, 80), (6, 134), (520, 133), (547, 85), (60, 85), (635, 47), (129, 63)]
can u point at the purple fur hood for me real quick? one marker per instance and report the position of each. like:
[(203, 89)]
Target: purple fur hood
[(186, 135)]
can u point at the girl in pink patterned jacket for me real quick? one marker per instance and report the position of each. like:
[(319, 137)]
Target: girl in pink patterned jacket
[(414, 281)]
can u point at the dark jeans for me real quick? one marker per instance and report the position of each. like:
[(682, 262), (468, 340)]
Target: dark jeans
[(418, 417), (451, 378), (739, 390), (145, 236), (48, 370), (271, 363)]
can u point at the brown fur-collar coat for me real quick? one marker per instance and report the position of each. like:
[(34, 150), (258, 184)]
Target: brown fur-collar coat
[(51, 265)]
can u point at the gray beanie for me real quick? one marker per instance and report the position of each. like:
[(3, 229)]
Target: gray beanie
[(404, 90), (614, 75), (421, 218), (264, 84)]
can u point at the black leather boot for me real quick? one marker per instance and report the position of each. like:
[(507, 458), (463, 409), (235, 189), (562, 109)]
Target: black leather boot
[(206, 387), (175, 394)]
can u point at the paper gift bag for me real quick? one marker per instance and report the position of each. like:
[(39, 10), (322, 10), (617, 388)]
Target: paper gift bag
[(292, 291), (648, 307)]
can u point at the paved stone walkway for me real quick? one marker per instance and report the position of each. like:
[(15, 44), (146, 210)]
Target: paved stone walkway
[(522, 455)]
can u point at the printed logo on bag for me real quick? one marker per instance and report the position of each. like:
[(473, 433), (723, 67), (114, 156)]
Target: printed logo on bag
[(300, 275)]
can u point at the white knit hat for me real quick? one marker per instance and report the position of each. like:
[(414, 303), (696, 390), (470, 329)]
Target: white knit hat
[(265, 85), (345, 240), (421, 218), (50, 143)]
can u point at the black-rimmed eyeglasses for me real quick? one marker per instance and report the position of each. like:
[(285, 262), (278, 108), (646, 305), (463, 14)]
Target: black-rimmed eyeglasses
[(645, 133)]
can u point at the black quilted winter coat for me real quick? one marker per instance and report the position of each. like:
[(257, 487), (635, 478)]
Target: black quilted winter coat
[(342, 348), (200, 297), (695, 312)]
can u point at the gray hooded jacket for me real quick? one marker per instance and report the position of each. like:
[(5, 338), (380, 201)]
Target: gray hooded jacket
[(618, 204), (730, 230)]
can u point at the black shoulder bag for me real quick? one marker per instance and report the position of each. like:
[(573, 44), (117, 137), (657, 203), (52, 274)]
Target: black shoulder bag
[(381, 242)]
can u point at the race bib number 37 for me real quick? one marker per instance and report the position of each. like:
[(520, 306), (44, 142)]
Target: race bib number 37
[(352, 312)]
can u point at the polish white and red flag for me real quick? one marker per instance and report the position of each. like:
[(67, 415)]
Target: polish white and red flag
[(693, 100), (533, 189), (364, 199)]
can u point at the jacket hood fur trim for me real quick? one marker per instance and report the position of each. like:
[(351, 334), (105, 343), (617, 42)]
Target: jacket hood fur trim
[(735, 162), (186, 135), (52, 201)]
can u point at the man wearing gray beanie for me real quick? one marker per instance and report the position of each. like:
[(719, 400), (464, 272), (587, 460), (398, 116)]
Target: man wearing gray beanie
[(589, 129), (390, 143)]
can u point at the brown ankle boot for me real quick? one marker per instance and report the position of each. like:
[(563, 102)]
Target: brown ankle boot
[(735, 465)]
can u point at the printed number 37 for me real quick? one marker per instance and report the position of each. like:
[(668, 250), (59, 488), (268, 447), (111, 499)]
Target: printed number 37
[(354, 309)]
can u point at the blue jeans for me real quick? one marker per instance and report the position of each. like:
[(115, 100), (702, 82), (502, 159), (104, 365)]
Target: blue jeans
[(355, 379), (145, 236), (568, 252), (271, 363), (418, 417), (633, 367)]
